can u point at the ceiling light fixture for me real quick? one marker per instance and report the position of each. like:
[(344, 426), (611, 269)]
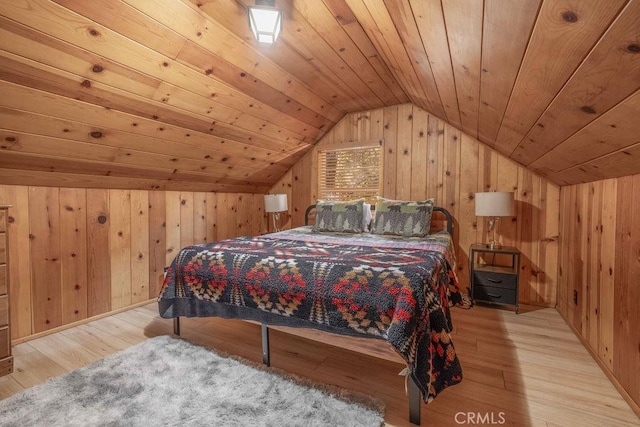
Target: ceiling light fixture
[(265, 21)]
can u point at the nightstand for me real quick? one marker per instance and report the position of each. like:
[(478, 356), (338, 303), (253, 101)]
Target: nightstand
[(493, 283), (6, 359)]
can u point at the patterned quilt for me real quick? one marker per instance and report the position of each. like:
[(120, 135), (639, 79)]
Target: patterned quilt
[(396, 289)]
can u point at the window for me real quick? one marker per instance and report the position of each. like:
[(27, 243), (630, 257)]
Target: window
[(350, 173)]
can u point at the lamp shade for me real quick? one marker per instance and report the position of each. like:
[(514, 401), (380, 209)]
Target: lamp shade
[(265, 21), (275, 203), (495, 203)]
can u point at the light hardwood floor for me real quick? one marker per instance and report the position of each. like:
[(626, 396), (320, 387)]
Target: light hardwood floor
[(527, 369)]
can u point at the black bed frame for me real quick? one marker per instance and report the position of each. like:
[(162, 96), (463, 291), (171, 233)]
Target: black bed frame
[(413, 390), (446, 213)]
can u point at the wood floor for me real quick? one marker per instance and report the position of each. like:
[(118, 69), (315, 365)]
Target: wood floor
[(527, 369)]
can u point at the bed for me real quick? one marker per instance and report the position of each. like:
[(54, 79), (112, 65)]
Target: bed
[(381, 286)]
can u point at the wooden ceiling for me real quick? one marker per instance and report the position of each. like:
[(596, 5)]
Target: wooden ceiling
[(176, 94)]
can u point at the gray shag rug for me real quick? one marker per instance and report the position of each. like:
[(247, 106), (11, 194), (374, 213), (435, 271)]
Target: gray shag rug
[(169, 382)]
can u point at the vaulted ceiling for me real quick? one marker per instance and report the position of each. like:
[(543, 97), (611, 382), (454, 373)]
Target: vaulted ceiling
[(176, 94)]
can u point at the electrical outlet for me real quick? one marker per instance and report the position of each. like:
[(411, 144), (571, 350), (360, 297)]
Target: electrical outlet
[(575, 297)]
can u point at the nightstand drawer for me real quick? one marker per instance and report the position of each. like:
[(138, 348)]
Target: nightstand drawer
[(3, 249), (5, 345), (3, 279), (493, 294), (4, 310), (496, 280)]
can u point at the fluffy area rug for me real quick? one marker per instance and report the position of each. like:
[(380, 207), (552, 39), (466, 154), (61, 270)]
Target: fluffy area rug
[(169, 382)]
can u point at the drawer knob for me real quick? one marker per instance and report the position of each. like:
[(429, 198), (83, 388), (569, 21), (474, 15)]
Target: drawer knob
[(494, 280), (494, 295)]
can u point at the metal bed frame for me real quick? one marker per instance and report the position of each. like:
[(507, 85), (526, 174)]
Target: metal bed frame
[(413, 390)]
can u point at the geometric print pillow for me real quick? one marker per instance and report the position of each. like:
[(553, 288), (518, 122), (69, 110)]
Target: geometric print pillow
[(344, 217), (400, 218)]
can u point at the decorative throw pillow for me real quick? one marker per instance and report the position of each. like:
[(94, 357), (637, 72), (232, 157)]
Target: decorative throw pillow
[(345, 217), (403, 218), (366, 217)]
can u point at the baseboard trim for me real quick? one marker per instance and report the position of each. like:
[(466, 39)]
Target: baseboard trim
[(635, 406), (79, 322)]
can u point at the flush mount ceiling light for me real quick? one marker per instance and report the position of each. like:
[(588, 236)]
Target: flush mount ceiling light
[(265, 21)]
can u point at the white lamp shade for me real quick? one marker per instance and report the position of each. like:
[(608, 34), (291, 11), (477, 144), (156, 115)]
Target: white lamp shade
[(495, 203), (275, 203), (265, 23)]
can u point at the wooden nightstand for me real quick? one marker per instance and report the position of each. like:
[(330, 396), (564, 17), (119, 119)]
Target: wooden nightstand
[(6, 359), (492, 283)]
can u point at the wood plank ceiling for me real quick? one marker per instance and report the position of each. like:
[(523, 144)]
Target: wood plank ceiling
[(176, 94)]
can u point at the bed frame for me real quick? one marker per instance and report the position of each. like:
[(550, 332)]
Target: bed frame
[(412, 389), (446, 213)]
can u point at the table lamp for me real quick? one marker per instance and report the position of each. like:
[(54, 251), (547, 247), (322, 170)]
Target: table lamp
[(494, 204), (274, 204)]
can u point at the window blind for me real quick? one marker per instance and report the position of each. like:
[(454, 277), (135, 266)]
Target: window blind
[(350, 173)]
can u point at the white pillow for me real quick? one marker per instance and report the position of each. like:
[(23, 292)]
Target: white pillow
[(366, 217)]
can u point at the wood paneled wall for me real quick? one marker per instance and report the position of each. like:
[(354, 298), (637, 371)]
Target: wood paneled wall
[(78, 253), (425, 157), (599, 288)]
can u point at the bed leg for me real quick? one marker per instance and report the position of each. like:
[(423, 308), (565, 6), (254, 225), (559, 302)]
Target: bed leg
[(265, 345), (176, 325), (414, 402)]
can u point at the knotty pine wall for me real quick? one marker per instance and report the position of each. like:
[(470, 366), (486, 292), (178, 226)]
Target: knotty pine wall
[(78, 253), (600, 262), (425, 157)]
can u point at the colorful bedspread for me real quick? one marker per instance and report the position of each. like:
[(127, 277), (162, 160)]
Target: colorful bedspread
[(366, 285)]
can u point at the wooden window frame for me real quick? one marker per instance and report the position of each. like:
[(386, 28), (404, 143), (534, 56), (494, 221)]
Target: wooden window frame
[(350, 190)]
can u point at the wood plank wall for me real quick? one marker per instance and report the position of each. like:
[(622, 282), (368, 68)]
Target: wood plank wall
[(425, 157), (600, 266), (78, 253)]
